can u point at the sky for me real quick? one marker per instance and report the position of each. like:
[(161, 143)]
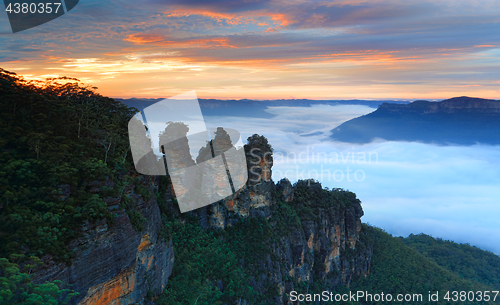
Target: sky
[(450, 192), (267, 49)]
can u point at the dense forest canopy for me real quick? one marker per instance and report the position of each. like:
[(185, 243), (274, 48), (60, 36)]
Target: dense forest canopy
[(468, 261), (56, 136)]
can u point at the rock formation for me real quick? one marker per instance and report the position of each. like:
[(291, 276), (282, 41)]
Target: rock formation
[(117, 264), (321, 248), (460, 120)]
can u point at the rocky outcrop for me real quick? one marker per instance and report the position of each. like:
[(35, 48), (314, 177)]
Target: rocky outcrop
[(323, 248), (115, 264), (255, 198), (286, 189)]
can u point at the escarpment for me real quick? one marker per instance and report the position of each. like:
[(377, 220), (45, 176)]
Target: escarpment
[(321, 244), (456, 105), (313, 236), (122, 262), (456, 121)]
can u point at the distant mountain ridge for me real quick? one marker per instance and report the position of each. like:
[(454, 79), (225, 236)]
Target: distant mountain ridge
[(254, 108), (460, 120), (461, 104)]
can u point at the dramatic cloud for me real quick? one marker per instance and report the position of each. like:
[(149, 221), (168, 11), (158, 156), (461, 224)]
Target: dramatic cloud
[(301, 48), (216, 5)]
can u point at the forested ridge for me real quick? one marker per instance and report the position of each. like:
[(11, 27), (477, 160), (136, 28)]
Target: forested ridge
[(463, 259), (59, 135), (54, 135), (400, 268)]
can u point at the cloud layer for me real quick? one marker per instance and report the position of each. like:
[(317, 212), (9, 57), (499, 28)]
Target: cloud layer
[(445, 191)]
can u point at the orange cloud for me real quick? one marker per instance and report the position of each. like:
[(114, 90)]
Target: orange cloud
[(232, 19), (229, 42), (365, 55), (282, 18), (145, 38), (279, 19), (187, 43)]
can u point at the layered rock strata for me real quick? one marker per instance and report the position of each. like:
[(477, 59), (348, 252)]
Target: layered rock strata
[(117, 264), (321, 249)]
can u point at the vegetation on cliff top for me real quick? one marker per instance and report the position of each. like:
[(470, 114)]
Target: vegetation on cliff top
[(216, 266), (400, 269), (463, 259), (56, 137)]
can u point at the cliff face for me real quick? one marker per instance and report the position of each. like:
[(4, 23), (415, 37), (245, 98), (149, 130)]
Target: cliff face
[(117, 264), (322, 248), (319, 247), (456, 121)]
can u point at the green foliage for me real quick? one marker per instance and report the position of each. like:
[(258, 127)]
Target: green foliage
[(399, 269), (202, 262), (284, 218), (251, 239), (257, 141), (469, 262), (143, 191), (55, 135), (16, 288), (136, 218), (309, 196)]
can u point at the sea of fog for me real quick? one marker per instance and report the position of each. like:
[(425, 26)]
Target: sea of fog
[(451, 192)]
